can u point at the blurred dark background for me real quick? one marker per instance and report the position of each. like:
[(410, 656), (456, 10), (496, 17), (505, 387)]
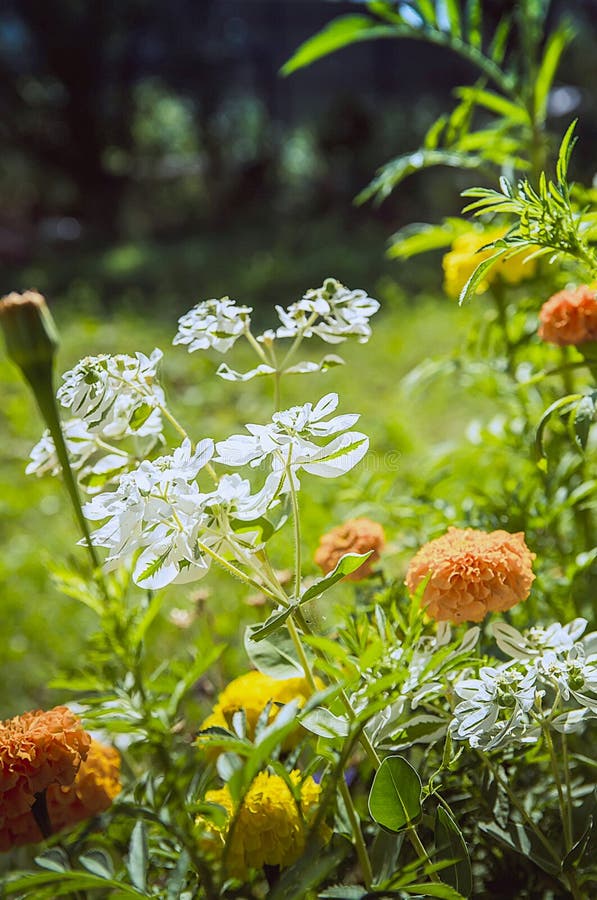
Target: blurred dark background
[(151, 155)]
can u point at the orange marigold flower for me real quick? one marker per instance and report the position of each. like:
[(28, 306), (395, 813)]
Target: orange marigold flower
[(355, 536), (38, 749), (19, 830), (96, 784), (569, 317), (472, 573)]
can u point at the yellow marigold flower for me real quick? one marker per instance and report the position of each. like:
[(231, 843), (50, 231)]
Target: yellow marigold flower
[(252, 692), (269, 828), (96, 784), (464, 257), (38, 749), (355, 536), (569, 317), (472, 573)]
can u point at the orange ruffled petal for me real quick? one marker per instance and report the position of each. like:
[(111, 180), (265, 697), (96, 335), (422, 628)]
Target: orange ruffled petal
[(472, 573)]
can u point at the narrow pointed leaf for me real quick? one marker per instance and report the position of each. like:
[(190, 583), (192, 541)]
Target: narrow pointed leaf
[(348, 564)]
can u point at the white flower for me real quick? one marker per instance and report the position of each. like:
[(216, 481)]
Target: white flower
[(213, 323), (233, 495), (287, 445), (80, 444), (157, 510), (115, 395), (332, 312), (495, 707), (536, 640), (86, 452), (572, 675)]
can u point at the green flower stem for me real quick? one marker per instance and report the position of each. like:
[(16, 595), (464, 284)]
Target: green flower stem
[(256, 346), (359, 841), (233, 570), (44, 394), (297, 341), (297, 531), (300, 650), (566, 766), (566, 825)]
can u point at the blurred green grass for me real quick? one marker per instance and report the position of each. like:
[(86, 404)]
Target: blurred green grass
[(45, 631)]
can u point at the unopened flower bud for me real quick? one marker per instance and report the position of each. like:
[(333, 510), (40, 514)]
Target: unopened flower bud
[(30, 333)]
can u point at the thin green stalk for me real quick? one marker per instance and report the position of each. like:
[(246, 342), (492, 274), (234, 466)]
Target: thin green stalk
[(566, 766), (233, 570), (300, 651), (44, 395), (256, 346), (359, 841), (566, 825)]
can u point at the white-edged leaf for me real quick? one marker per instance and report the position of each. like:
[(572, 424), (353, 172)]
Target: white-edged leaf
[(324, 723), (346, 565)]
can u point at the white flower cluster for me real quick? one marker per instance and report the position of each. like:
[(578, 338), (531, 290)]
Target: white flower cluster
[(213, 323), (110, 398), (550, 665), (159, 515), (332, 312), (156, 512), (286, 445)]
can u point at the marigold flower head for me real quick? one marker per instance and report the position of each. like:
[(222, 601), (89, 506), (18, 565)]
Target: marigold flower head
[(466, 254), (96, 784), (269, 828), (354, 536), (569, 317), (38, 749), (472, 573), (252, 692)]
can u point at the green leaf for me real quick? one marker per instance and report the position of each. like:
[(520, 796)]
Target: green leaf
[(555, 46), (576, 852), (137, 857), (395, 797), (62, 883), (54, 859), (273, 657), (451, 845), (524, 842), (560, 405), (473, 18), (348, 564), (98, 862), (432, 889), (178, 877), (453, 13), (271, 624), (345, 892), (478, 275), (394, 172), (566, 148), (324, 723), (337, 34), (495, 103), (583, 419), (421, 237)]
